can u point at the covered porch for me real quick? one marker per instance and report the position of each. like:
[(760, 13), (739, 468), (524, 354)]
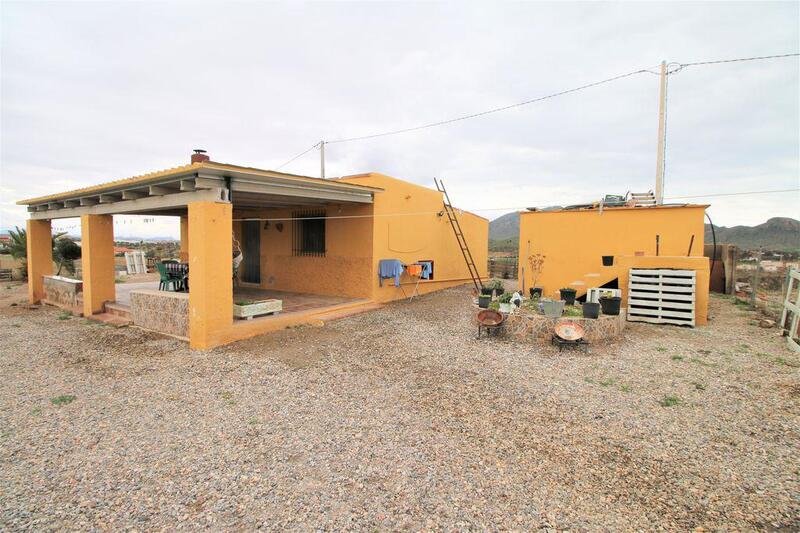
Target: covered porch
[(215, 203)]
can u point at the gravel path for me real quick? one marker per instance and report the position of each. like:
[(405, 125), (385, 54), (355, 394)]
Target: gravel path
[(396, 419)]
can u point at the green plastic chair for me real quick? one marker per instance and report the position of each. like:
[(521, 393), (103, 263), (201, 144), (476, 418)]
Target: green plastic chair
[(166, 279)]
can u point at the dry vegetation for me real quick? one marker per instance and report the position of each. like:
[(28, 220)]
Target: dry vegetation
[(396, 419)]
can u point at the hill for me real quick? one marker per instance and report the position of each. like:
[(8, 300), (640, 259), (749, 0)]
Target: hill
[(777, 234)]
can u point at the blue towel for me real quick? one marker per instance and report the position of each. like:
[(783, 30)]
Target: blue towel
[(427, 269), (390, 268)]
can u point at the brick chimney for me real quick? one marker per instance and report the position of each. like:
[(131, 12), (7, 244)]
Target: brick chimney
[(199, 156)]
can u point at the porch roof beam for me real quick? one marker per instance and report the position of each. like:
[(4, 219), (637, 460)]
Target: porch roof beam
[(305, 191), (168, 202)]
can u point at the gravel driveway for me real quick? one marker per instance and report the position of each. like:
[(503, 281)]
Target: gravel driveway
[(396, 419)]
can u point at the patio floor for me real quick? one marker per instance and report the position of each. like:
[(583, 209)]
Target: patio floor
[(292, 301)]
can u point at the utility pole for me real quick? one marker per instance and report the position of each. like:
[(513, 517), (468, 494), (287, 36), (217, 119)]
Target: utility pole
[(662, 124), (322, 159)]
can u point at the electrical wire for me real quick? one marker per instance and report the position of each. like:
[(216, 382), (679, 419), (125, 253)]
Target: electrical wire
[(735, 60), (489, 111), (301, 154)]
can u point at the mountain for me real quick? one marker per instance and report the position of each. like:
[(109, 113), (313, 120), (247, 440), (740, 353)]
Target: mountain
[(504, 227), (776, 234)]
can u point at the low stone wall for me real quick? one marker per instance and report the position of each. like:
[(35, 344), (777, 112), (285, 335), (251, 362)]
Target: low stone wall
[(535, 328), (65, 293), (161, 311)]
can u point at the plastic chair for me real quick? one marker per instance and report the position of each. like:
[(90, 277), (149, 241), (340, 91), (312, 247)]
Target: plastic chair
[(166, 279)]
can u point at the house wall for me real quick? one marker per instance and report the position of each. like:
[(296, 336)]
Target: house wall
[(345, 270), (406, 227), (574, 241)]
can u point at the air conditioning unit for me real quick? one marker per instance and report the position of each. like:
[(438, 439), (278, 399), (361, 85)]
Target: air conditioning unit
[(594, 294)]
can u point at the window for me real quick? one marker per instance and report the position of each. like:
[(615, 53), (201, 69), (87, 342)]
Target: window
[(308, 232)]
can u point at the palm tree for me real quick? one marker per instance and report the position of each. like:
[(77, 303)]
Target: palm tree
[(17, 246)]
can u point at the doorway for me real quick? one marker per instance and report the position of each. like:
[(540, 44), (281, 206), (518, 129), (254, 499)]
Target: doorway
[(251, 249)]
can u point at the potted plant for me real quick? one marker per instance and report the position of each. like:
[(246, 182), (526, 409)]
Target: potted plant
[(608, 260), (610, 305), (498, 287), (568, 295), (487, 290), (536, 264), (484, 300), (494, 306), (552, 308), (591, 310), (505, 303)]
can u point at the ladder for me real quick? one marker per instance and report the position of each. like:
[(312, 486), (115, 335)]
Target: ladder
[(462, 242)]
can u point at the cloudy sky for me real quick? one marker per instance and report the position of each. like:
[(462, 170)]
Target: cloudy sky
[(99, 91)]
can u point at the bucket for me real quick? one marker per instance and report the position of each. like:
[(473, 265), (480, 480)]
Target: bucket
[(610, 305), (591, 310)]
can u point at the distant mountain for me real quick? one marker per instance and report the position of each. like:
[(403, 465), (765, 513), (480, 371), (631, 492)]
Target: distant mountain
[(504, 227), (778, 234)]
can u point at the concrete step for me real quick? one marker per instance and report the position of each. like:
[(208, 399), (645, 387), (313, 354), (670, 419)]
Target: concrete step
[(120, 310), (110, 320)]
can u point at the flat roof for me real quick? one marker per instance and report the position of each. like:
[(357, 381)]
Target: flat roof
[(154, 178), (607, 208)]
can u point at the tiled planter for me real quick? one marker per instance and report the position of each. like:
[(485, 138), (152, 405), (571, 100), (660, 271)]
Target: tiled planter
[(65, 293), (161, 311)]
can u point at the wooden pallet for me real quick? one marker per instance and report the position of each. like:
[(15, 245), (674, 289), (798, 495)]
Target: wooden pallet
[(5, 274), (662, 296)]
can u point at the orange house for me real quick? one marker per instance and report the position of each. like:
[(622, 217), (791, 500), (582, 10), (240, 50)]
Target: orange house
[(316, 245)]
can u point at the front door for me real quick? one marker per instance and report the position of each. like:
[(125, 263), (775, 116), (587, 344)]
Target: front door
[(251, 249)]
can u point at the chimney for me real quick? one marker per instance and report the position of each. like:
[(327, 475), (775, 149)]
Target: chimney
[(199, 156)]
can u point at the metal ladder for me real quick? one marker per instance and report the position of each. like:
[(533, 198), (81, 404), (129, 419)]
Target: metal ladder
[(462, 242)]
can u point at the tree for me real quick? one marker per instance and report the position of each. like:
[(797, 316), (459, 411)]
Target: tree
[(17, 246), (65, 252)]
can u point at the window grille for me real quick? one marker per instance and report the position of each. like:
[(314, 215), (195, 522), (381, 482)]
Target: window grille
[(308, 232)]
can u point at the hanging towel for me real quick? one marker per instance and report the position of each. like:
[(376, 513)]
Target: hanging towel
[(427, 269), (389, 268), (414, 270)]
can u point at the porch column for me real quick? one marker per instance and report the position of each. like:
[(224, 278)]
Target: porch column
[(97, 262), (184, 251), (210, 273), (39, 258)]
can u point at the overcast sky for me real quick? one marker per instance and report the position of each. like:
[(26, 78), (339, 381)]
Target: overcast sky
[(99, 91)]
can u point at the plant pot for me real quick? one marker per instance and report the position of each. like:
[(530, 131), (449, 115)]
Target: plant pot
[(506, 308), (553, 309), (247, 310), (608, 260), (591, 310), (484, 300), (536, 292), (610, 305), (568, 295), (486, 291), (499, 291)]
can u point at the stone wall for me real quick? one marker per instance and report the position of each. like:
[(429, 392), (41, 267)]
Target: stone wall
[(161, 311), (525, 326), (65, 293)]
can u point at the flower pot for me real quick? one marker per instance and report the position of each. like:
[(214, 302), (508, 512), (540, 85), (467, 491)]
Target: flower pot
[(553, 309), (608, 260), (506, 308), (610, 305), (591, 310), (499, 291), (536, 292), (484, 300), (568, 295), (486, 291)]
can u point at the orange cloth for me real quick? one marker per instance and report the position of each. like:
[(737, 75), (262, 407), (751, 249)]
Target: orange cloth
[(414, 270)]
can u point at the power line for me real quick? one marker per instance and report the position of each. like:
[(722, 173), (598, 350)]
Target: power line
[(734, 60), (483, 209), (489, 111), (301, 154)]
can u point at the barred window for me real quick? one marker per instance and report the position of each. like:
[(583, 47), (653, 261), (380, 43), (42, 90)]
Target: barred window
[(308, 232)]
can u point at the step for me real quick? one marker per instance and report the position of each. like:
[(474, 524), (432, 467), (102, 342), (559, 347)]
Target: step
[(110, 320), (120, 310)]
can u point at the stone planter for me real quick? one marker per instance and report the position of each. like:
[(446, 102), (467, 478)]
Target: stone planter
[(247, 310)]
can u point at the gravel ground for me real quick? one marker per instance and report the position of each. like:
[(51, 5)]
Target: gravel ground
[(396, 419)]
